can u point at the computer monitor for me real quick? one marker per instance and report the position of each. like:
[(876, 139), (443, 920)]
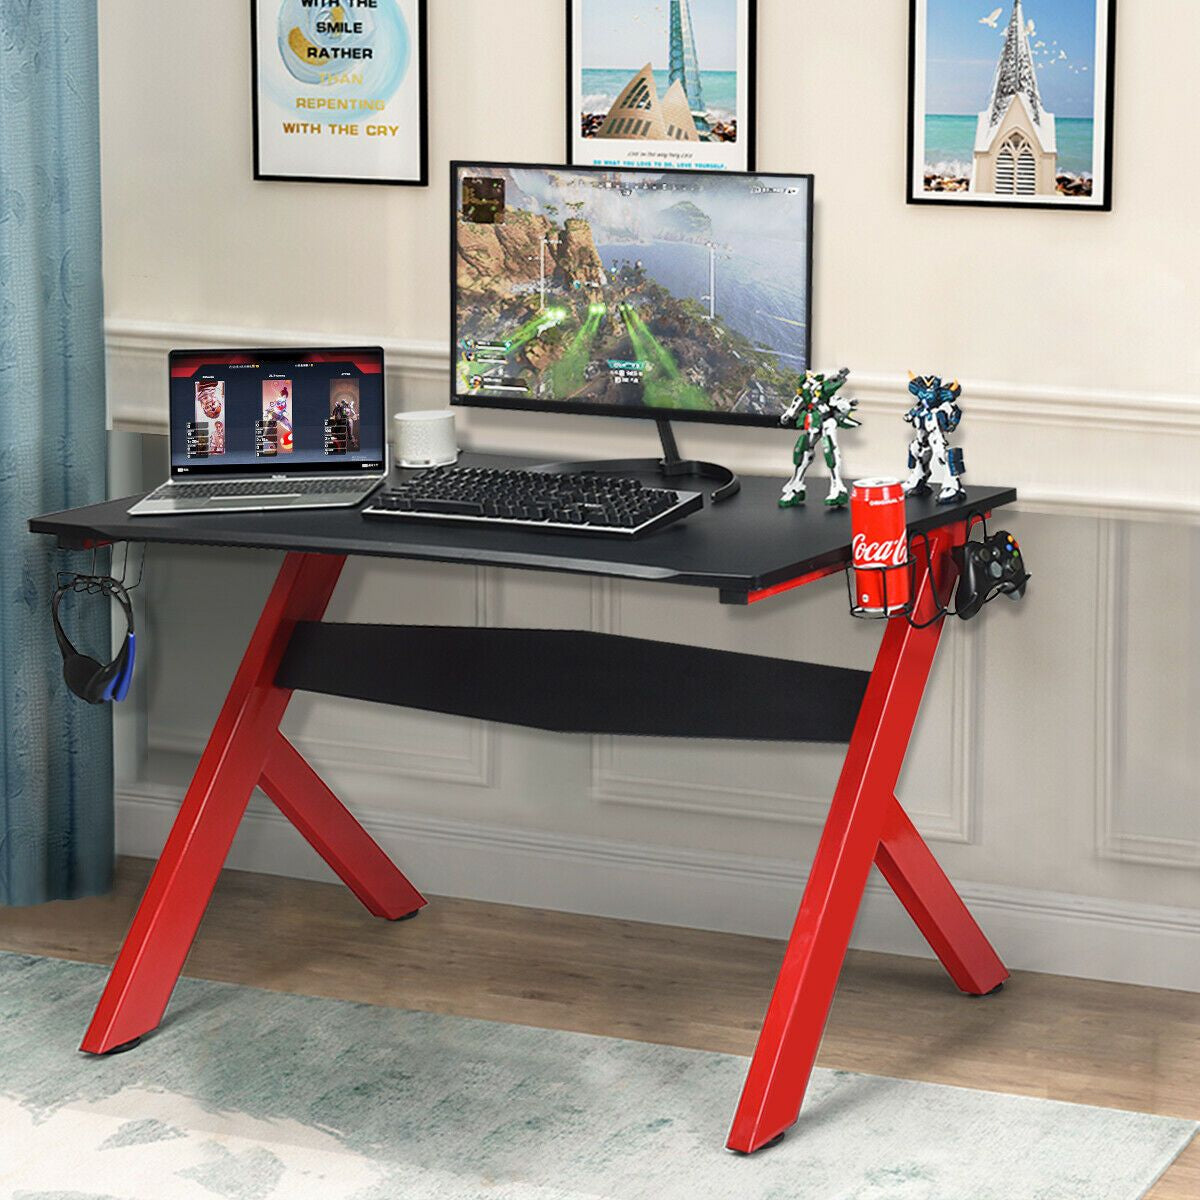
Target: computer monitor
[(638, 293)]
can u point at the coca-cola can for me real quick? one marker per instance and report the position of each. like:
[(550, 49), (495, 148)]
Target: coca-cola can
[(879, 546)]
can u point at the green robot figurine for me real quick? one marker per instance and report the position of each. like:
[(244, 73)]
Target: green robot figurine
[(818, 413)]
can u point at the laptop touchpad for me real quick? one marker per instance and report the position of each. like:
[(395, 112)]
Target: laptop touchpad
[(244, 500)]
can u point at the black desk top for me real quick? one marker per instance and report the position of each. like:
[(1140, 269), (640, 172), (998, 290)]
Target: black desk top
[(739, 546)]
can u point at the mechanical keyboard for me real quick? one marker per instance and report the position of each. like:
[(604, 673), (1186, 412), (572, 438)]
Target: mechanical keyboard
[(587, 503)]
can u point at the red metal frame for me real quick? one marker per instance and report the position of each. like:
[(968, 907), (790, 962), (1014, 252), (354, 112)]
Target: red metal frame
[(244, 749), (301, 795), (866, 825)]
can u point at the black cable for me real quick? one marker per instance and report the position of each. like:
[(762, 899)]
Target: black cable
[(943, 609)]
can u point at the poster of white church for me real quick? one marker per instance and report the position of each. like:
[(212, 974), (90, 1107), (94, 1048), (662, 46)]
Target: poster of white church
[(661, 83), (1011, 105), (340, 90)]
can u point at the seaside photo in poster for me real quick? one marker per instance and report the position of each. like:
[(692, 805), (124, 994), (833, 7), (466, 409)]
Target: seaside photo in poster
[(340, 90), (1011, 105), (661, 83)]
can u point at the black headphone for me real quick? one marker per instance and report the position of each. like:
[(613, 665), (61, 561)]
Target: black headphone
[(87, 678)]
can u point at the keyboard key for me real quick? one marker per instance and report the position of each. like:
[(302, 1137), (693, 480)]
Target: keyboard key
[(466, 508)]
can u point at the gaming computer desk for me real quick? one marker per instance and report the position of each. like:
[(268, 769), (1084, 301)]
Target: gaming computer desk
[(746, 550), (640, 292)]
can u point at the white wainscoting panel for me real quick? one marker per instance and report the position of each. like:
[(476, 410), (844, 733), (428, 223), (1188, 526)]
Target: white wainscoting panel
[(785, 783), (376, 740), (1148, 692), (1007, 773), (1032, 930), (1053, 763)]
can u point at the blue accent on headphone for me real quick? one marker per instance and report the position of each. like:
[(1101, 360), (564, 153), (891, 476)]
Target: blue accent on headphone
[(90, 680), (119, 688)]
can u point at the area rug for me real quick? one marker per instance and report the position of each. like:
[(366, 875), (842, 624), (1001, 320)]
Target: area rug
[(253, 1095)]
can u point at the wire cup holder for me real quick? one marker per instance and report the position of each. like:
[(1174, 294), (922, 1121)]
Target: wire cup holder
[(888, 612)]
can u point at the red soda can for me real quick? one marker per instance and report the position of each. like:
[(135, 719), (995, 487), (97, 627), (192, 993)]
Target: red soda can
[(879, 546)]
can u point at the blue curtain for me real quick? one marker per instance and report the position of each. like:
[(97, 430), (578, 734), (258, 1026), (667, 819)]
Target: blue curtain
[(56, 802)]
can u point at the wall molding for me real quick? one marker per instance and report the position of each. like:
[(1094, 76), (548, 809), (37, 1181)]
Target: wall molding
[(144, 345), (475, 766), (1107, 506), (1042, 405), (1113, 608), (138, 346), (611, 785), (155, 338), (1082, 936)]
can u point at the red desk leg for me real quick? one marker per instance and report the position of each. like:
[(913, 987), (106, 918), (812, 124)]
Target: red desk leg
[(860, 817), (907, 863), (302, 797), (243, 743)]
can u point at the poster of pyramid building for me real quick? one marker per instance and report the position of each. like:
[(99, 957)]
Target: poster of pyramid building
[(1011, 105), (662, 83)]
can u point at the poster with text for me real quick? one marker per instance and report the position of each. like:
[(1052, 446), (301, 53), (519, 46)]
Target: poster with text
[(340, 90), (661, 83)]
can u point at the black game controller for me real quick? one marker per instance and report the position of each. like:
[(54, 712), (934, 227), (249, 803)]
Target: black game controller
[(986, 568)]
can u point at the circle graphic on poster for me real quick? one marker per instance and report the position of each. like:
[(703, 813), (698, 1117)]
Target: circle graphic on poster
[(355, 52)]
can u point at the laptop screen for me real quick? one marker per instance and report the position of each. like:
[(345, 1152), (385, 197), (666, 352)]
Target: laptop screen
[(277, 411)]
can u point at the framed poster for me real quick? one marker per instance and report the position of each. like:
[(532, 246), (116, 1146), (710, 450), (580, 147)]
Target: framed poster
[(661, 83), (1011, 106), (340, 90)]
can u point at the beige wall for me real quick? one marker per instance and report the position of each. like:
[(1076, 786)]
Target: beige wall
[(1058, 751), (1108, 301)]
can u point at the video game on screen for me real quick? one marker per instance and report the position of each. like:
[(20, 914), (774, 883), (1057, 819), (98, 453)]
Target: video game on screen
[(631, 289)]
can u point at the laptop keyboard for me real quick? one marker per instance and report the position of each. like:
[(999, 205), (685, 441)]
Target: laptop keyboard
[(257, 487)]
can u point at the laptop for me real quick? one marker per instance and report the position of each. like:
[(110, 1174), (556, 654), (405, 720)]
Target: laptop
[(265, 429)]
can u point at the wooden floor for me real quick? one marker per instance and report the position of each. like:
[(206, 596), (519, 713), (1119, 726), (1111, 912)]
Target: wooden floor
[(1093, 1043)]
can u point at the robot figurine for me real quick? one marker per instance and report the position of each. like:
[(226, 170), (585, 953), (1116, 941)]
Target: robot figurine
[(935, 415), (818, 413)]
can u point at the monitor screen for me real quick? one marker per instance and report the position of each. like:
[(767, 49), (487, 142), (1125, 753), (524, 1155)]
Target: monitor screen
[(631, 292), (302, 411)]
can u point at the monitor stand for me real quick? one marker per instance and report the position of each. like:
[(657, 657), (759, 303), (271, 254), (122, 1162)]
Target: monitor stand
[(670, 466)]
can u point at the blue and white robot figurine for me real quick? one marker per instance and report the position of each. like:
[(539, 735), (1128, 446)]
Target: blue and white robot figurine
[(934, 417)]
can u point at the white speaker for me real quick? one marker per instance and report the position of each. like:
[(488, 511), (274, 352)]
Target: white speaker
[(424, 439)]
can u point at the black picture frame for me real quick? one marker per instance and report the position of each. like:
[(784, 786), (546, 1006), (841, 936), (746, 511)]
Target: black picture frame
[(422, 177), (751, 116), (644, 412), (1104, 203)]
